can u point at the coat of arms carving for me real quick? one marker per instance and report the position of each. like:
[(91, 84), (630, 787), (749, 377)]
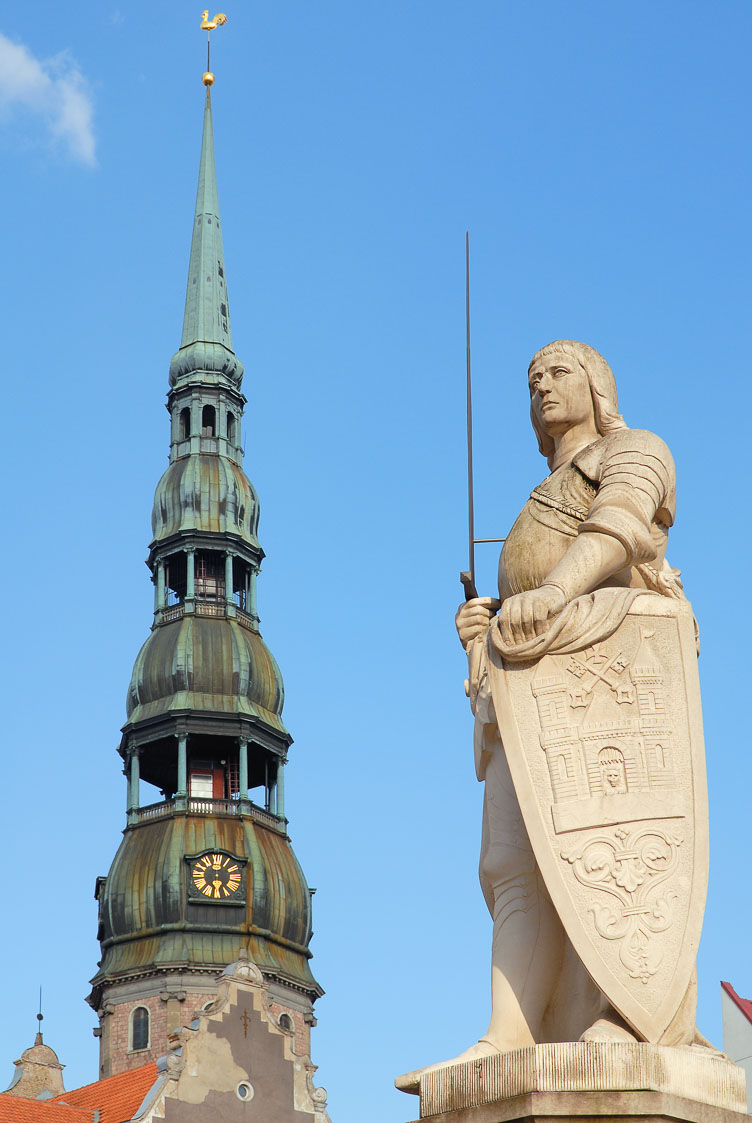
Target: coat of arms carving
[(608, 743)]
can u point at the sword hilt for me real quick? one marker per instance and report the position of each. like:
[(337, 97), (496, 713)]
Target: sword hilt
[(468, 584)]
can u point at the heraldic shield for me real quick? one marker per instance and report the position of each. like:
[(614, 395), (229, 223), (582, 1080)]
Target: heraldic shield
[(605, 747)]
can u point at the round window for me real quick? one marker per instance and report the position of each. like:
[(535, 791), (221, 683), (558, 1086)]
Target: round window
[(244, 1091)]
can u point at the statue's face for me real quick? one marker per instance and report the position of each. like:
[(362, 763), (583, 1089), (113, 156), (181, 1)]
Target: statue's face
[(560, 394)]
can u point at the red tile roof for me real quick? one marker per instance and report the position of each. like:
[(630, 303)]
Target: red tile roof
[(744, 1004), (116, 1098), (17, 1109)]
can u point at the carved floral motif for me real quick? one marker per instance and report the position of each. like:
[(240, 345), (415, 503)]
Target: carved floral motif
[(630, 868)]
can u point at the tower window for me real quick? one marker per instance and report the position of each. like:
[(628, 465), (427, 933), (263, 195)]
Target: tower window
[(231, 427), (185, 423), (285, 1022), (208, 779), (202, 785), (210, 576), (208, 421), (175, 578), (139, 1029), (240, 573)]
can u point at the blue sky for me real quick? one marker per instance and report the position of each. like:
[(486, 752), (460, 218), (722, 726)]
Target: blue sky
[(599, 155)]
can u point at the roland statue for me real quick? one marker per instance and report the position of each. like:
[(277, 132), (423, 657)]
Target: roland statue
[(588, 737)]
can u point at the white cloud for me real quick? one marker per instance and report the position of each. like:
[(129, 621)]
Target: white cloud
[(55, 89)]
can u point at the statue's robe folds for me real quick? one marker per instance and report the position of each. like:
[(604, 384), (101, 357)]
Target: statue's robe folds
[(589, 739)]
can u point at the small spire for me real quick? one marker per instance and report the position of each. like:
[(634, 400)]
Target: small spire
[(40, 1018), (206, 342), (207, 314)]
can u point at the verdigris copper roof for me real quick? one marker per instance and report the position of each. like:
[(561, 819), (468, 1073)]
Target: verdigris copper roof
[(209, 665), (208, 493), (148, 921)]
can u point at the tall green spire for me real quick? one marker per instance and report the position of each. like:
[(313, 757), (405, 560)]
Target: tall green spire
[(206, 344)]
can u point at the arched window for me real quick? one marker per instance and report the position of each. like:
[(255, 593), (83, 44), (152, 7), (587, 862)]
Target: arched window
[(285, 1022), (139, 1029), (185, 423), (231, 427), (208, 421), (613, 770)]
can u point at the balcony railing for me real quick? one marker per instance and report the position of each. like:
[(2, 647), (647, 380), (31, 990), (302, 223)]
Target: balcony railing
[(189, 805), (204, 608)]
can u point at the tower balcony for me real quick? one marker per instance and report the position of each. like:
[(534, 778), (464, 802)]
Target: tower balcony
[(217, 808), (206, 608)]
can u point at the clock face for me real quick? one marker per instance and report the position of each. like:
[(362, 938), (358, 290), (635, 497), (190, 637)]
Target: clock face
[(216, 877)]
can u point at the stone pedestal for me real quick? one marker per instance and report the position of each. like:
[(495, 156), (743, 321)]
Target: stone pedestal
[(578, 1081)]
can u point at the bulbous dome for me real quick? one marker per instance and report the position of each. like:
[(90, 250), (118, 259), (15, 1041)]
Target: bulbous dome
[(147, 917), (207, 665), (205, 492), (206, 357)]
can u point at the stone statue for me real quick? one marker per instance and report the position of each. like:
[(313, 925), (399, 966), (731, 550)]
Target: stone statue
[(588, 736)]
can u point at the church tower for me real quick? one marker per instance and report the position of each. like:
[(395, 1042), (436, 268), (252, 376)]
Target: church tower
[(207, 873)]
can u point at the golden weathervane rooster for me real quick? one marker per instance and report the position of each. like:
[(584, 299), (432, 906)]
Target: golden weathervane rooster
[(209, 24)]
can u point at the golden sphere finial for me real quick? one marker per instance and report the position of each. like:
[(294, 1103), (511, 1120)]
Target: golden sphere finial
[(208, 78)]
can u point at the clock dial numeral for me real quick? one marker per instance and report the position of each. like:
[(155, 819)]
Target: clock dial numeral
[(216, 876)]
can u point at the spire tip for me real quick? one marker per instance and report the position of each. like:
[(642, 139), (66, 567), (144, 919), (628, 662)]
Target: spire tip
[(208, 26)]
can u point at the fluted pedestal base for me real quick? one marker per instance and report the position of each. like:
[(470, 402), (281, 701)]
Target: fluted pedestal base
[(581, 1082)]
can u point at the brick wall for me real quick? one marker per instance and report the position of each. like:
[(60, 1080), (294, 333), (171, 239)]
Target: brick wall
[(301, 1029), (163, 1017)]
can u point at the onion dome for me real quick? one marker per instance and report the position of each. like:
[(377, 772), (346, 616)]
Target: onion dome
[(148, 919), (206, 665), (207, 493), (206, 357)]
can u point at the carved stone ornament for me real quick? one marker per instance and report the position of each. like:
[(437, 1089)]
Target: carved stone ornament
[(605, 748)]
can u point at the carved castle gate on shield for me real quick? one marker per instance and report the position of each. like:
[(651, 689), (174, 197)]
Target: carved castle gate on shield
[(606, 736)]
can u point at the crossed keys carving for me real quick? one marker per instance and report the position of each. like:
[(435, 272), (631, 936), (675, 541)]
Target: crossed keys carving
[(594, 666), (630, 868)]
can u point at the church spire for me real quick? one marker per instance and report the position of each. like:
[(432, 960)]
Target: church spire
[(207, 313), (206, 343), (207, 871)]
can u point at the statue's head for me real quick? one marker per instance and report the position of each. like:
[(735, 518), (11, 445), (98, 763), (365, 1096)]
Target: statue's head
[(598, 377)]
